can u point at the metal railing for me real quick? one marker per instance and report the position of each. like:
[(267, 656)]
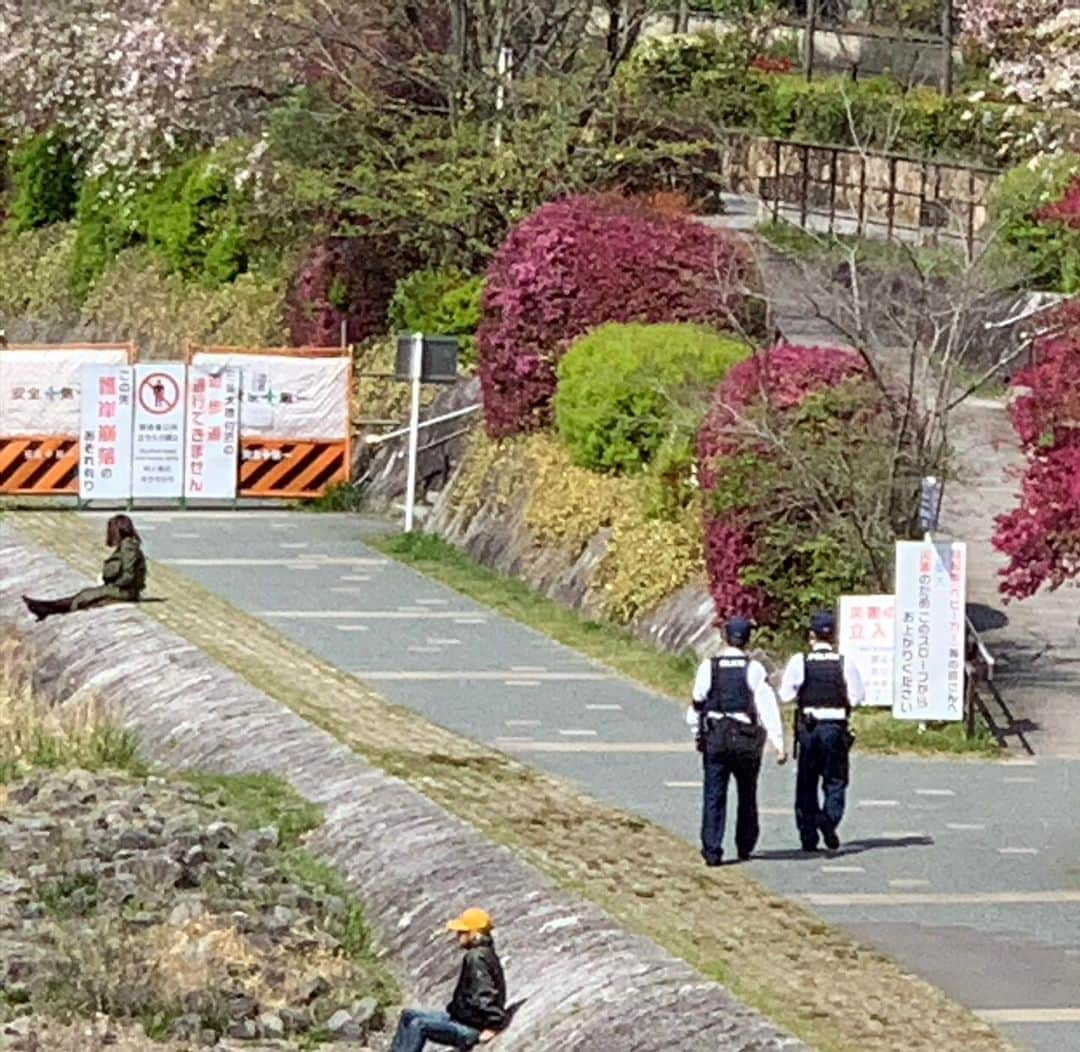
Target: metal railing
[(982, 693)]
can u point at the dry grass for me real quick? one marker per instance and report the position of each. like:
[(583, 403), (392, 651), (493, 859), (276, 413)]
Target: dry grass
[(34, 734)]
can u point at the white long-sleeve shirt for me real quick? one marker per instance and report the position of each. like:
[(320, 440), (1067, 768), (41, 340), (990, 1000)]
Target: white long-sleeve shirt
[(764, 698), (795, 675)]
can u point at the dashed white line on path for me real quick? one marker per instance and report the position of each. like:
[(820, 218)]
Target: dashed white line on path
[(1029, 1015), (521, 682), (293, 544), (523, 723), (935, 792), (902, 835), (1018, 850), (842, 869), (577, 732), (527, 668), (903, 882), (877, 803), (355, 578), (604, 708), (417, 649), (344, 589), (1019, 781), (186, 536), (444, 642), (303, 566), (470, 620), (965, 827), (432, 602), (934, 898), (687, 785), (352, 628), (284, 526)]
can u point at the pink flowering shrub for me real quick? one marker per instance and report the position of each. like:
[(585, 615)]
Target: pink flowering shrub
[(1041, 537), (781, 378), (576, 264), (340, 279)]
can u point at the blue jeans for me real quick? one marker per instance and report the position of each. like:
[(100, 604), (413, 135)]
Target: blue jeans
[(416, 1027), (823, 772)]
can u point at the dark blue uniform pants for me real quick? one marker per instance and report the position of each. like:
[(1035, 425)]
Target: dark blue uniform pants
[(744, 763), (823, 769)]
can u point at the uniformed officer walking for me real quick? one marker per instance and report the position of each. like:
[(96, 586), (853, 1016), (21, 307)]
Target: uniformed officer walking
[(825, 687), (734, 710)]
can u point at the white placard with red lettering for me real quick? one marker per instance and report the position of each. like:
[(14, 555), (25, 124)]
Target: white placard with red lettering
[(157, 458), (930, 627), (866, 637), (106, 403), (213, 433)]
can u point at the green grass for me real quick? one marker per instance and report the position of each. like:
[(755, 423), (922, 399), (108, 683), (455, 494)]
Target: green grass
[(256, 801), (667, 674)]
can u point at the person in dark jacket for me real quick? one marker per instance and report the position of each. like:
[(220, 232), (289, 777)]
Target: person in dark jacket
[(477, 1011), (123, 576)]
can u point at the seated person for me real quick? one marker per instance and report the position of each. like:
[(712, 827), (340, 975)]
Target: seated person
[(123, 576), (477, 1011)]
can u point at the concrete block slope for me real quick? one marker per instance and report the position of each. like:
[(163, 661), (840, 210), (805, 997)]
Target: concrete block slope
[(586, 983)]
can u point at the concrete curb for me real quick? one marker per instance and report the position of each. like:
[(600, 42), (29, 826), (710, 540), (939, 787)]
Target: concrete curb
[(587, 983)]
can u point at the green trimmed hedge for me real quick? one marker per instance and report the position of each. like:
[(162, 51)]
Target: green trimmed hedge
[(629, 393)]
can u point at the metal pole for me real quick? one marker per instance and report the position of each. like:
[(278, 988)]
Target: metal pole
[(503, 67), (946, 45), (414, 428), (811, 29)]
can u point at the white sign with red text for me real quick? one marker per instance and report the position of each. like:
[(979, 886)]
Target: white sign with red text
[(930, 627), (213, 433), (866, 637), (106, 396), (157, 457)]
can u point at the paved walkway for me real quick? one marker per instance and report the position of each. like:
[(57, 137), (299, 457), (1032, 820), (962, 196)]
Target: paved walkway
[(968, 873)]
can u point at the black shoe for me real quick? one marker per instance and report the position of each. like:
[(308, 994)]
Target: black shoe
[(38, 607), (810, 849), (828, 834), (745, 856), (713, 860)]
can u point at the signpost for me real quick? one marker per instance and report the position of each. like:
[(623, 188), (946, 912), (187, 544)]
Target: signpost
[(930, 625), (866, 637), (212, 439)]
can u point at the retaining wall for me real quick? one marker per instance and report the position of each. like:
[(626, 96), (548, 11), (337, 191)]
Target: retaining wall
[(587, 984)]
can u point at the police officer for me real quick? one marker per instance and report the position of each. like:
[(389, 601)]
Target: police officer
[(734, 710), (824, 687)]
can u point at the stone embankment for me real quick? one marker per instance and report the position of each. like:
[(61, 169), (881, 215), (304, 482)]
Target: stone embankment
[(142, 897), (584, 982)]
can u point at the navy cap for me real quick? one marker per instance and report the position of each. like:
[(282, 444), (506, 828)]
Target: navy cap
[(823, 624), (737, 630)]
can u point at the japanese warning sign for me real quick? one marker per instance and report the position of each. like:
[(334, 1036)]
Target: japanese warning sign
[(213, 433), (930, 626), (157, 457), (106, 393), (866, 638)]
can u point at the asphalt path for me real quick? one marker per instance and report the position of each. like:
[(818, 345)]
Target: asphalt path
[(966, 872)]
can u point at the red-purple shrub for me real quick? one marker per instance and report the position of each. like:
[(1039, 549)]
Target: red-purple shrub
[(578, 263), (1041, 537), (1067, 210), (340, 279), (783, 377)]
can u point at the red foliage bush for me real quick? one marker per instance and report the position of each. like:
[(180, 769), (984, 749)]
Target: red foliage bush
[(784, 376), (1067, 210), (340, 279), (771, 64), (578, 263), (1041, 537)]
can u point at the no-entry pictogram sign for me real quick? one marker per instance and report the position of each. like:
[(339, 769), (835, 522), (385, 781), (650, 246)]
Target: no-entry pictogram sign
[(159, 393)]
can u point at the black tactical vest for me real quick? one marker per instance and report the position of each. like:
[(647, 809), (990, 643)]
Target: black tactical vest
[(823, 685), (729, 692)]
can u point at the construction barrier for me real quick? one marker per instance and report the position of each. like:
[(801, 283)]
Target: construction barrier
[(294, 416), (40, 399)]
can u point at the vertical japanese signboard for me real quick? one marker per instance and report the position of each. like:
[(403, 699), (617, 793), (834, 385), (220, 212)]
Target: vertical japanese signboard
[(867, 638), (211, 451), (106, 401), (930, 624), (157, 448)]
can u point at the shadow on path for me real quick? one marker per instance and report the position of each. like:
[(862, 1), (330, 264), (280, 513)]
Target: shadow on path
[(852, 847)]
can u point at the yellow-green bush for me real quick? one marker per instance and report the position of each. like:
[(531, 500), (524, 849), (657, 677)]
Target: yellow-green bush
[(137, 299), (564, 507), (34, 266)]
